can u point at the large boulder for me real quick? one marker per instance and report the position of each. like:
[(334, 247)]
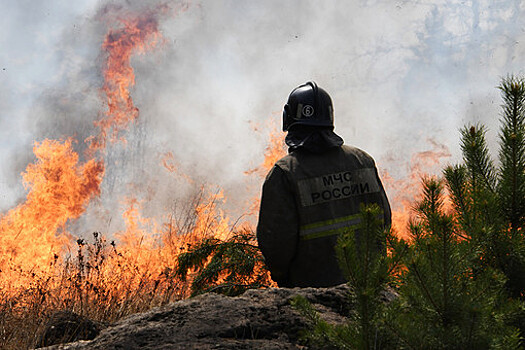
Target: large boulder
[(258, 319)]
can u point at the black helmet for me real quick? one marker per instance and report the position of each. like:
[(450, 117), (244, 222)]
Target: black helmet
[(308, 105)]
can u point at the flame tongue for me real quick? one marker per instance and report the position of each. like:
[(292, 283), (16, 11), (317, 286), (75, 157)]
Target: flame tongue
[(135, 36), (59, 190)]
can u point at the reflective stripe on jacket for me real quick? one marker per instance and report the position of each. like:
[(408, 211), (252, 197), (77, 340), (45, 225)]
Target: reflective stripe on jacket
[(307, 201)]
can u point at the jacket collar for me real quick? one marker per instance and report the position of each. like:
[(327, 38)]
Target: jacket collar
[(313, 139)]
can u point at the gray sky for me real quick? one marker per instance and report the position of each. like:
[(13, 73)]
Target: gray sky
[(404, 77)]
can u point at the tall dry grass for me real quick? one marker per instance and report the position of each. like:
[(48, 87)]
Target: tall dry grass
[(104, 280)]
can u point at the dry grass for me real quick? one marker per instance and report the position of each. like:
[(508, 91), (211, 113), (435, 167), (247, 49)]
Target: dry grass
[(104, 280), (81, 286)]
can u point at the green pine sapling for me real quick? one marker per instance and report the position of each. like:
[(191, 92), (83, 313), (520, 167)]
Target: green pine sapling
[(369, 266), (224, 266)]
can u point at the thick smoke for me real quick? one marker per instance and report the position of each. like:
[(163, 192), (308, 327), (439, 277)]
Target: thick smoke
[(404, 76)]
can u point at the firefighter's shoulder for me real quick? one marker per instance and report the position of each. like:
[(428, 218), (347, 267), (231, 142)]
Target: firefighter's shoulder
[(358, 153), (284, 162)]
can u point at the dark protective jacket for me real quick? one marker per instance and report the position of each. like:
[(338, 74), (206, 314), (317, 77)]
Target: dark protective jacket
[(308, 199)]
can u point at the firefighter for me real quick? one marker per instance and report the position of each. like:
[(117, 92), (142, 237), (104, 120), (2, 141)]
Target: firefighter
[(313, 194)]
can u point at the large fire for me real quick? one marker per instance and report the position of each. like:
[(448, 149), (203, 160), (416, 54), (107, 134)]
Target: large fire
[(36, 244)]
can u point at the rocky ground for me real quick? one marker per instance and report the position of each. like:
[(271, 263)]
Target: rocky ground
[(258, 319)]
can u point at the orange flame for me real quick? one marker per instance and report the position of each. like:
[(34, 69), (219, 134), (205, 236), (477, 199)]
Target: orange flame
[(34, 233), (137, 35), (275, 150), (402, 193)]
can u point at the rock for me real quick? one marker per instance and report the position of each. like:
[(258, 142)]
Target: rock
[(66, 326), (258, 319)]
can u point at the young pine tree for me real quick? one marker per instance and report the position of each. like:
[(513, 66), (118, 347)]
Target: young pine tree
[(228, 267), (443, 304), (489, 202)]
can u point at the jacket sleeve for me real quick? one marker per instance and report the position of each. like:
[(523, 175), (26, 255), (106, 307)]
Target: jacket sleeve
[(278, 227)]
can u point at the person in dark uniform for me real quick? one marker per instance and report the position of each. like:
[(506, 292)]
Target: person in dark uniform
[(313, 194)]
